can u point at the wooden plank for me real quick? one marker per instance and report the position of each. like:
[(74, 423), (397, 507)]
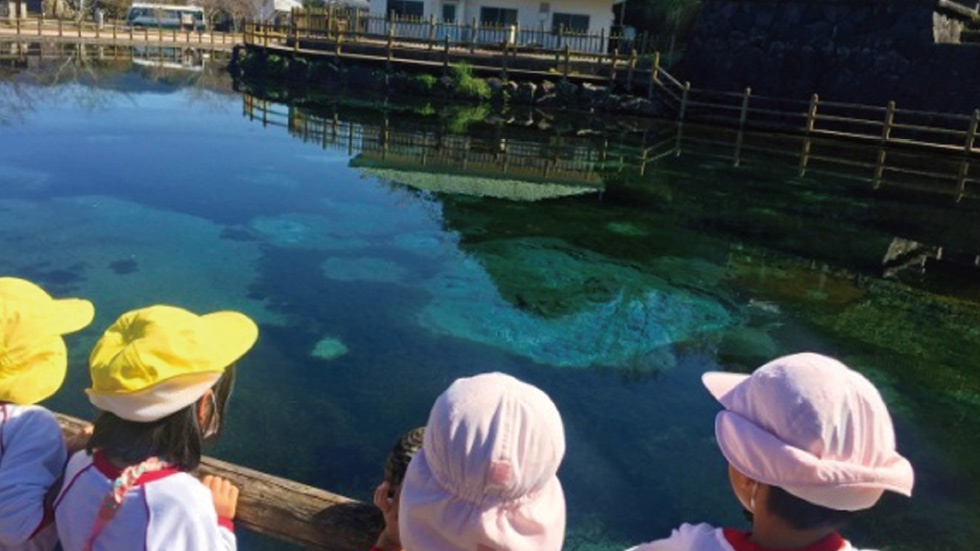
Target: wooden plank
[(286, 510)]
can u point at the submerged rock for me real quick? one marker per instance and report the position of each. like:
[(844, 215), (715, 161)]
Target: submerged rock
[(303, 231), (572, 308), (329, 348)]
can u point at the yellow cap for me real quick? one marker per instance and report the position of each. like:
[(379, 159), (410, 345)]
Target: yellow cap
[(158, 360), (33, 358)]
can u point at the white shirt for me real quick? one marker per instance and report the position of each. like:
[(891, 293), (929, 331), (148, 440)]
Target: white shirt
[(704, 537), (32, 455), (166, 510)]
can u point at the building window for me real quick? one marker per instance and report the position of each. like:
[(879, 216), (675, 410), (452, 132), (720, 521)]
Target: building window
[(406, 8), (498, 16), (570, 22), (449, 13)]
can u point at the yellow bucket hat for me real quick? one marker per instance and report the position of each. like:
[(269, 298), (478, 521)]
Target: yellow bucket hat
[(158, 360), (33, 358)]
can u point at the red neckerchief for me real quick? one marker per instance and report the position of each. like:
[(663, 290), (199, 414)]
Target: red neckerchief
[(741, 541)]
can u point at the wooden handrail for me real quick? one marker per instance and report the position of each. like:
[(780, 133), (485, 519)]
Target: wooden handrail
[(284, 509)]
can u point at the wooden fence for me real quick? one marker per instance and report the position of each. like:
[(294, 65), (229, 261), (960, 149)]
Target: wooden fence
[(113, 32), (286, 510), (884, 126), (357, 24)]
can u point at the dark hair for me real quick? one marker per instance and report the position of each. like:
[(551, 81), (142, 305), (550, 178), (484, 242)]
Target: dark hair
[(401, 454), (177, 438), (803, 515)]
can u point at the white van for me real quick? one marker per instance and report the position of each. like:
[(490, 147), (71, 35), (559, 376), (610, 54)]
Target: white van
[(166, 16)]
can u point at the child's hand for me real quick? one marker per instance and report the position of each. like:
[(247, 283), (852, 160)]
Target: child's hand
[(225, 495), (389, 539), (78, 441)]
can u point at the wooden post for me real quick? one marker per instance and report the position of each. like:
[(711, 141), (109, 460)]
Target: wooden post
[(40, 25), (612, 63), (971, 139), (886, 131), (629, 75), (329, 19), (340, 41), (684, 95), (18, 22), (741, 126), (115, 25), (60, 25), (654, 74), (568, 61), (391, 38), (173, 35), (432, 30), (473, 35), (602, 45), (971, 134), (445, 55), (159, 32), (879, 167), (504, 61), (81, 23), (357, 24), (811, 120)]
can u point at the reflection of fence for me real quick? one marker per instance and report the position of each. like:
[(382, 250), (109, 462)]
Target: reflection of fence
[(112, 32), (432, 148), (877, 166)]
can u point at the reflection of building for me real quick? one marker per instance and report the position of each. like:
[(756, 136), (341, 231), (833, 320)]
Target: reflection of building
[(424, 154), (186, 59)]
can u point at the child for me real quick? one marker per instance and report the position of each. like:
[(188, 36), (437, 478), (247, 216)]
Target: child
[(486, 476), (809, 442), (162, 377), (388, 494), (33, 362)]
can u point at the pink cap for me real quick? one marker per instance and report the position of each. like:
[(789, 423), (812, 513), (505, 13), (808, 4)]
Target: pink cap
[(812, 426), (486, 476)]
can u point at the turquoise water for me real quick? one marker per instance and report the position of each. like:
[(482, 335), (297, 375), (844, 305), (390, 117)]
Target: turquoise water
[(377, 280)]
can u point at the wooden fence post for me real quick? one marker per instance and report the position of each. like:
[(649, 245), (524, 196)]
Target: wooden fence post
[(81, 23), (811, 121), (654, 74), (971, 139), (741, 125), (357, 23), (504, 61), (60, 25), (18, 23), (445, 55), (684, 95), (886, 131), (602, 44), (40, 25), (115, 25), (432, 30), (632, 69), (568, 61), (159, 32), (340, 41), (473, 35)]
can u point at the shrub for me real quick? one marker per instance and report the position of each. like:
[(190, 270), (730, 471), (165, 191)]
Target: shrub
[(467, 85), (424, 82)]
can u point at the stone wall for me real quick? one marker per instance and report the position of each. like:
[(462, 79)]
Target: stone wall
[(867, 51)]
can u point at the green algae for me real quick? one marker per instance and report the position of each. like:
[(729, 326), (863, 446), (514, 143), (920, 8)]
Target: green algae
[(329, 348)]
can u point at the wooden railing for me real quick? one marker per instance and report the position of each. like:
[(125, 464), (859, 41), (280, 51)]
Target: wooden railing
[(886, 125), (286, 510), (113, 31), (357, 24)]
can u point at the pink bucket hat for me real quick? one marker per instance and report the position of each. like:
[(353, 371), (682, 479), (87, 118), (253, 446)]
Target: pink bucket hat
[(486, 476), (813, 427)]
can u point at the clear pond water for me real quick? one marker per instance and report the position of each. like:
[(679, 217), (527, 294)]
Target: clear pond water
[(387, 250)]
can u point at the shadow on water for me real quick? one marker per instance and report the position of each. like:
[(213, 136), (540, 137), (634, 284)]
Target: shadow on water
[(387, 249)]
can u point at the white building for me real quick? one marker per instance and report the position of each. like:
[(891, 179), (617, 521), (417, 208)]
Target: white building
[(575, 16)]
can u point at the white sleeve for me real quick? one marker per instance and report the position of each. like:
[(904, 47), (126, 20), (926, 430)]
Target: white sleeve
[(687, 537), (33, 458), (182, 518)]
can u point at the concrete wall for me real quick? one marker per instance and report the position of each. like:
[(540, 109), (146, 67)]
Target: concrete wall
[(869, 51)]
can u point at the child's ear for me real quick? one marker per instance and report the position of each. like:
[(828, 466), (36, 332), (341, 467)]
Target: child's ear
[(202, 408)]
